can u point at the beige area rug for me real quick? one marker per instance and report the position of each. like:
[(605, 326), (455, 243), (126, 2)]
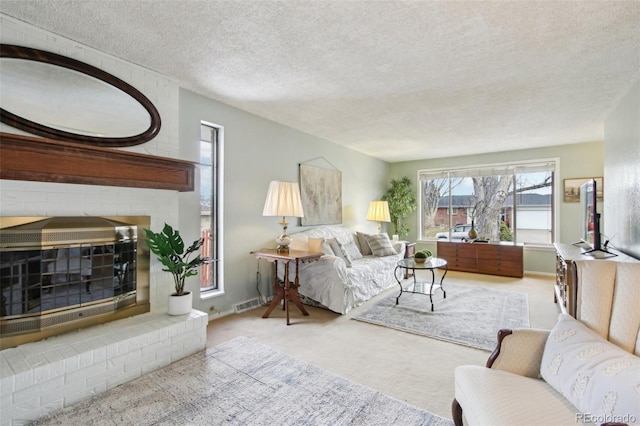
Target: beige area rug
[(242, 382), (470, 315)]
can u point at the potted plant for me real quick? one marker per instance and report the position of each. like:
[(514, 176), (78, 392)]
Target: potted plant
[(401, 203), (422, 256), (170, 249)]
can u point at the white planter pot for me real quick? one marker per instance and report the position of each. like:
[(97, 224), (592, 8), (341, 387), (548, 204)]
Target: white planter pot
[(180, 305)]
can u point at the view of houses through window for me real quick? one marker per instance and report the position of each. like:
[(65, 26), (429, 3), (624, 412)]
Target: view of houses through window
[(507, 202), (209, 179)]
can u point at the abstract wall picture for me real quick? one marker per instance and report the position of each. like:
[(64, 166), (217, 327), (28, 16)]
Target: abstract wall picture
[(321, 194)]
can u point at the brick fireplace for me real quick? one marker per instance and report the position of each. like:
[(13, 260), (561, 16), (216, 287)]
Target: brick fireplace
[(38, 377), (59, 274), (66, 275)]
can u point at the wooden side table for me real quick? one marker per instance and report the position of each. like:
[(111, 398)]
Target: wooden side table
[(286, 291)]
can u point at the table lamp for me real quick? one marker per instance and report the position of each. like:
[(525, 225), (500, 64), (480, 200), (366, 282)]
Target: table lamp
[(379, 212), (283, 199)]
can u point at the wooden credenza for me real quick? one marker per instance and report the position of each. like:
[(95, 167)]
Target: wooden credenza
[(566, 287), (483, 258)]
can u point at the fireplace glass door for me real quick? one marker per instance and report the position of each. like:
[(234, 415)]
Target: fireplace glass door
[(51, 279)]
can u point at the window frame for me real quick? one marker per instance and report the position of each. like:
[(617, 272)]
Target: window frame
[(468, 170), (217, 197)]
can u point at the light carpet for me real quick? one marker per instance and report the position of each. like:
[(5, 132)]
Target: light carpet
[(470, 315), (242, 382)]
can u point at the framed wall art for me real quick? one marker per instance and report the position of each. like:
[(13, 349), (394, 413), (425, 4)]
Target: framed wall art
[(572, 189), (321, 195)]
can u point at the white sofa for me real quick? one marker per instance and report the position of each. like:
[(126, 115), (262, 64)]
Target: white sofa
[(585, 370), (346, 279)]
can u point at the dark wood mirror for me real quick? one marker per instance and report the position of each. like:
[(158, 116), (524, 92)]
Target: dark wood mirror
[(61, 98)]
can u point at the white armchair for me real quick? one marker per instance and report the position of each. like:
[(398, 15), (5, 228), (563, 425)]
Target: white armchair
[(583, 371)]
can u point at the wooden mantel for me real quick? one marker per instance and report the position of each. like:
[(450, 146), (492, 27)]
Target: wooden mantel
[(45, 160)]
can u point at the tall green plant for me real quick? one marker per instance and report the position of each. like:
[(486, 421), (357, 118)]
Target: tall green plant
[(401, 203), (170, 249)]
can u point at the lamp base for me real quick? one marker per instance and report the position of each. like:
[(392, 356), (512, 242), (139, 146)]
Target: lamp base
[(283, 243)]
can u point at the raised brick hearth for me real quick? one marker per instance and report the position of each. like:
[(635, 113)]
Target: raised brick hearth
[(40, 377)]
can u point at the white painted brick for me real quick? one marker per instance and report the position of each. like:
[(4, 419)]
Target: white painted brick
[(52, 406), (24, 415), (118, 379), (57, 368), (7, 385), (163, 333), (123, 347), (24, 379), (71, 363), (6, 402), (72, 390), (112, 350), (53, 356), (42, 373)]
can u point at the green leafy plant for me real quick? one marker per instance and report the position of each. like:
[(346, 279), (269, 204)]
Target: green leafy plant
[(401, 203), (170, 249), (505, 232)]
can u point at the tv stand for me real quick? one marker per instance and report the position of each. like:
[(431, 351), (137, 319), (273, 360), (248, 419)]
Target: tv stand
[(566, 287)]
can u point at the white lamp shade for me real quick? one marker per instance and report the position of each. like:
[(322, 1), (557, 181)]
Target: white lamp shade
[(283, 199), (379, 211)]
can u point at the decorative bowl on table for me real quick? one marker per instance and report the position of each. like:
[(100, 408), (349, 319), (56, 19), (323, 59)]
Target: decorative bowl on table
[(422, 256)]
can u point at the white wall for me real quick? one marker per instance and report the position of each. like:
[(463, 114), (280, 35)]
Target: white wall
[(257, 151), (622, 174)]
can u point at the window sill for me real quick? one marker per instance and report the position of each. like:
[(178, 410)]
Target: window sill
[(539, 247), (211, 294)]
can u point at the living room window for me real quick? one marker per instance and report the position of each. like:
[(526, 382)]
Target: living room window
[(503, 202), (209, 204)]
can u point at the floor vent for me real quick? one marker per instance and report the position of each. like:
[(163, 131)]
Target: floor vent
[(245, 306)]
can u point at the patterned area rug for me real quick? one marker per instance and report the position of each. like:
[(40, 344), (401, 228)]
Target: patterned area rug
[(242, 382), (470, 315)]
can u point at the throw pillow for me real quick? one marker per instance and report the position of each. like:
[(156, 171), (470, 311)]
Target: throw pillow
[(352, 250), (364, 245), (595, 375), (339, 251), (320, 245), (299, 242), (315, 245), (380, 245)]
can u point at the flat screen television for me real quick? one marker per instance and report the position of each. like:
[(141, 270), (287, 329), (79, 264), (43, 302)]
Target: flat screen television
[(590, 221)]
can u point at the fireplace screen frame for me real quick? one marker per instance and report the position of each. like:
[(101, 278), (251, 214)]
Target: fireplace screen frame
[(90, 252)]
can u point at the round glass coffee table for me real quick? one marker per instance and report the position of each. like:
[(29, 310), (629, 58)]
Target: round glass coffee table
[(422, 287)]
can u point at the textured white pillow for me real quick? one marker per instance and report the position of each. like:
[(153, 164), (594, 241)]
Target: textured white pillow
[(595, 375), (352, 251), (380, 245), (339, 251), (364, 244)]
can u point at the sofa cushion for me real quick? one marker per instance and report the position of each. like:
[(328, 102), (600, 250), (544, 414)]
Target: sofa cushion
[(339, 251), (299, 242), (363, 243), (595, 375), (352, 250), (319, 245), (380, 245), (493, 397)]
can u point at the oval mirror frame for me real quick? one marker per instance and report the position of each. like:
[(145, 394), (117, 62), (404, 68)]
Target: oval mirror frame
[(30, 54)]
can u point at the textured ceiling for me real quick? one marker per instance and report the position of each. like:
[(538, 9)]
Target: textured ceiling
[(395, 80)]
